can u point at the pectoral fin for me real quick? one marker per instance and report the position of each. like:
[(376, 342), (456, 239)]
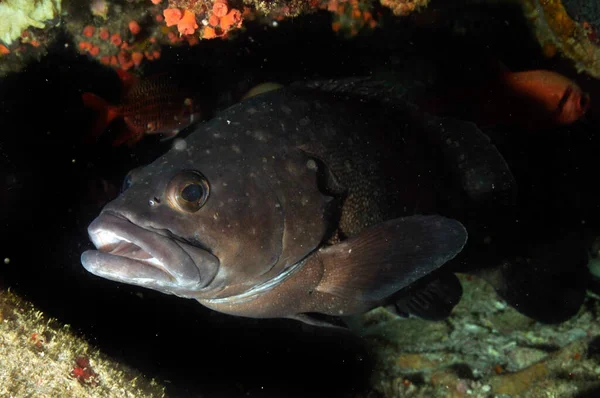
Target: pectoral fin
[(387, 257), (430, 298)]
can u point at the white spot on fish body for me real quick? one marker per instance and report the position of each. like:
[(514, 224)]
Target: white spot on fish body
[(251, 111), (311, 165), (229, 122), (179, 144), (286, 109)]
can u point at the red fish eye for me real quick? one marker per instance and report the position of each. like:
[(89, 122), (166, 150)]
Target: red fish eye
[(188, 191)]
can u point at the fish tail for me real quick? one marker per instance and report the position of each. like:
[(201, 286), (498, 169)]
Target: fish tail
[(105, 113)]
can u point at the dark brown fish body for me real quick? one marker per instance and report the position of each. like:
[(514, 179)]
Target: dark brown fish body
[(319, 199)]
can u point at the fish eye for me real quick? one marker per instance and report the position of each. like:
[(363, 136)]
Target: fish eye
[(188, 191)]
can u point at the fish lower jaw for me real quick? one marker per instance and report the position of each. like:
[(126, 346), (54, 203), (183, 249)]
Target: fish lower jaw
[(126, 270)]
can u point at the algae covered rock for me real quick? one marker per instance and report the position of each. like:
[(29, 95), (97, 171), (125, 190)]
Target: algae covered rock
[(18, 15)]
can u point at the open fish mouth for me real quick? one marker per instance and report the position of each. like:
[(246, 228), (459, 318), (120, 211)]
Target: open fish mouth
[(135, 255)]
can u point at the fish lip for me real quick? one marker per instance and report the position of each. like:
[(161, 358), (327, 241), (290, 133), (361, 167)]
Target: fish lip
[(129, 253)]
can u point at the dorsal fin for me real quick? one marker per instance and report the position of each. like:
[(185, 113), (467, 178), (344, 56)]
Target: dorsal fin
[(472, 158), (363, 88)]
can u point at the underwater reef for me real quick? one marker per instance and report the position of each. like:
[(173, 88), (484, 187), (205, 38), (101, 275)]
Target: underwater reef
[(126, 34), (172, 347), (18, 15), (42, 357), (485, 349), (569, 28)]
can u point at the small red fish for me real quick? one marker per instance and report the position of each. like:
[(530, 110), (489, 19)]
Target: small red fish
[(531, 100), (150, 105)]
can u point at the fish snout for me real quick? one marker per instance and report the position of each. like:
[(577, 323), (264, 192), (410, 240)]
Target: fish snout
[(131, 254)]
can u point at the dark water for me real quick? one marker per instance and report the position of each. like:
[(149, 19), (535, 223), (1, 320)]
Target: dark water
[(46, 212)]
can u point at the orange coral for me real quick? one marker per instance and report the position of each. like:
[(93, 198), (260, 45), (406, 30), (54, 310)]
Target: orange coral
[(134, 27), (220, 8), (137, 58), (85, 45), (192, 40), (187, 24), (404, 7), (125, 60), (213, 20), (88, 31), (233, 18), (116, 39), (172, 36), (104, 34), (209, 33), (351, 16), (4, 50), (172, 16)]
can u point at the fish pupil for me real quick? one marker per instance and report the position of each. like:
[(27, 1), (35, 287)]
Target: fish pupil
[(192, 193)]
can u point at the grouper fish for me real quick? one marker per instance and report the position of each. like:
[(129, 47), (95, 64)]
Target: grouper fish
[(315, 200)]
